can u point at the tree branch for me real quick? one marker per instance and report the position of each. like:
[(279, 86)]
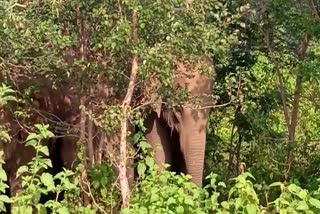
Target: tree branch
[(296, 101), (315, 11), (297, 91), (282, 88)]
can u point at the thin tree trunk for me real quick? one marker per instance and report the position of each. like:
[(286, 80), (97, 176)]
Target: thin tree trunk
[(291, 120), (283, 95), (90, 143), (294, 121), (315, 12), (83, 37), (295, 105), (124, 184), (282, 88), (86, 198), (231, 152), (100, 147), (295, 109), (238, 154)]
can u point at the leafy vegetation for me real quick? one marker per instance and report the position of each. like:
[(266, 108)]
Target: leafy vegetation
[(66, 68)]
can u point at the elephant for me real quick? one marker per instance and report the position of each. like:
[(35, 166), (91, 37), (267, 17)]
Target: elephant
[(16, 154), (178, 136)]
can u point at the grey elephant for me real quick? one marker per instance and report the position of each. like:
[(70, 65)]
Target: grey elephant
[(178, 136)]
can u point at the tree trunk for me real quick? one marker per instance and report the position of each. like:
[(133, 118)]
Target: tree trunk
[(291, 120), (124, 184)]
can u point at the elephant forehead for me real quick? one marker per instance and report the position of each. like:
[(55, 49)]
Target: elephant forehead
[(192, 78)]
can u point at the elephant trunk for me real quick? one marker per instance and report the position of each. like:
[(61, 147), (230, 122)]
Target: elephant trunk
[(193, 143)]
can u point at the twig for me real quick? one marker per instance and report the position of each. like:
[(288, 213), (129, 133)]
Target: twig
[(16, 5), (89, 192)]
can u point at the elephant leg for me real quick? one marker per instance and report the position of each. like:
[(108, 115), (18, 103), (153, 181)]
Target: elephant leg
[(68, 153), (157, 135)]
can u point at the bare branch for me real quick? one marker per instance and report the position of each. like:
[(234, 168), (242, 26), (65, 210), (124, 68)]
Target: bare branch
[(315, 11), (16, 5), (120, 9)]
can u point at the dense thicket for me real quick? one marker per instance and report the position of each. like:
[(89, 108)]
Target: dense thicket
[(66, 68)]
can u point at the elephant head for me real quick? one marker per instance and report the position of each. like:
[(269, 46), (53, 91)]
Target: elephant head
[(178, 135)]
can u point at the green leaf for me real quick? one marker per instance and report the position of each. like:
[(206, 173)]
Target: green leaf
[(238, 203), (32, 136), (250, 175), (251, 208), (28, 210), (141, 168), (180, 209), (231, 191), (303, 194), (225, 205), (149, 161), (144, 145), (171, 200), (302, 205), (63, 210), (32, 143), (5, 199), (222, 184), (3, 175), (47, 180), (275, 184), (44, 132), (314, 202), (22, 169), (41, 209), (44, 150), (189, 201), (294, 188), (214, 198)]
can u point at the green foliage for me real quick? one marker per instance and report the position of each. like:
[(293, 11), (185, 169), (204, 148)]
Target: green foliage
[(294, 199), (242, 196), (36, 182), (166, 193), (162, 192), (170, 193), (6, 95), (83, 45), (3, 185), (102, 179)]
